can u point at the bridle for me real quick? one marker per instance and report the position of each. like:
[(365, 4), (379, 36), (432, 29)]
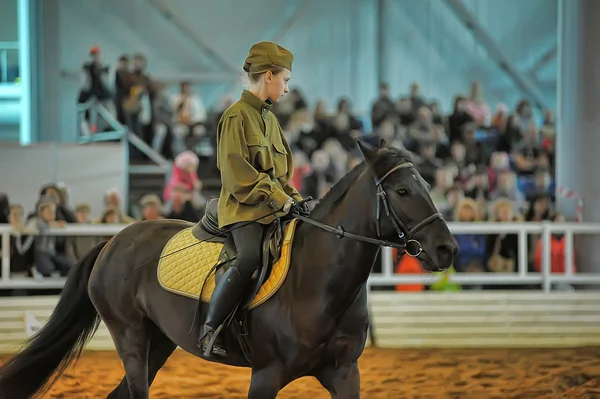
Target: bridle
[(403, 232)]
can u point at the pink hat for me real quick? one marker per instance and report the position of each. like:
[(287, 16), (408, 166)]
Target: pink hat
[(185, 159)]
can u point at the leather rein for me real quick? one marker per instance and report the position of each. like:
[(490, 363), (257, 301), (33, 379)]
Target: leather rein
[(403, 233)]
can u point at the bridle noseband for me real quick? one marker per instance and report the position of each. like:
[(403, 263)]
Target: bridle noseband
[(403, 233)]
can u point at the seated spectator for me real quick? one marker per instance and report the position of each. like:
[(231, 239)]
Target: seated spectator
[(182, 205), (408, 265), (427, 163), (557, 251), (527, 153), (503, 249), (458, 154), (540, 208), (541, 184), (302, 168), (458, 119), (47, 260), (477, 107), (77, 246), (455, 194), (184, 172), (477, 187), (383, 109), (472, 249), (112, 203), (499, 163), (405, 111), (500, 119), (322, 178), (21, 241), (151, 206), (421, 130), (475, 153), (347, 127), (507, 188), (443, 182)]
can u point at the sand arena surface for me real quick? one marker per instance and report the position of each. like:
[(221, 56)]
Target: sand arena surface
[(385, 373)]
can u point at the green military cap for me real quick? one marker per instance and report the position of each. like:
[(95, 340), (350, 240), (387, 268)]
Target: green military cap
[(263, 55)]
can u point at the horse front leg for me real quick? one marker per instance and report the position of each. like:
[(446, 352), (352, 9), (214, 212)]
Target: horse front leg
[(342, 382), (266, 382)]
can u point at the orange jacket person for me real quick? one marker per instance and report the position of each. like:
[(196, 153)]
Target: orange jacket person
[(256, 166)]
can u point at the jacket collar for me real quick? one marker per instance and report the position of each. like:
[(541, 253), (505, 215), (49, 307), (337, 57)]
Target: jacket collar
[(261, 106)]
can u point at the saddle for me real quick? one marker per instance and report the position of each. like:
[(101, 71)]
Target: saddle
[(207, 229)]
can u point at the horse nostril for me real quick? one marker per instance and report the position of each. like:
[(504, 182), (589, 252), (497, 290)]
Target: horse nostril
[(446, 252)]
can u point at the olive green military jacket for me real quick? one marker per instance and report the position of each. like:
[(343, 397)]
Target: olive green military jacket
[(255, 162)]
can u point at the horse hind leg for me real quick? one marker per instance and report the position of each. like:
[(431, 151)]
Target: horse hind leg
[(161, 348)]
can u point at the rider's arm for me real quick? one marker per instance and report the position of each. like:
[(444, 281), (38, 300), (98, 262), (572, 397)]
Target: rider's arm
[(287, 187), (238, 176)]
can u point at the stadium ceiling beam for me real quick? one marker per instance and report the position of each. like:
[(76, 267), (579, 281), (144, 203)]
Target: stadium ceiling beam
[(491, 47), (289, 18), (165, 10), (543, 60)]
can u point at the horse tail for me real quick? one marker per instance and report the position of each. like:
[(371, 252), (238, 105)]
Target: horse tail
[(49, 352)]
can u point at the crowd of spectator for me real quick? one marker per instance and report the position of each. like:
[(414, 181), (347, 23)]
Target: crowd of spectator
[(483, 164)]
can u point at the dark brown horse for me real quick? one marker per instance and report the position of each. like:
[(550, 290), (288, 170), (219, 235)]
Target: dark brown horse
[(315, 325)]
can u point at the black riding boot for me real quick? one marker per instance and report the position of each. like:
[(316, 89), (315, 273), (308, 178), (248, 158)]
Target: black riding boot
[(224, 298)]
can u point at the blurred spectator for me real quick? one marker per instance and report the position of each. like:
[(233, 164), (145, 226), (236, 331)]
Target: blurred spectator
[(94, 84), (47, 259), (77, 246), (383, 109), (472, 248), (500, 118), (124, 81), (474, 150), (416, 100), (477, 186), (21, 241), (477, 107), (458, 119), (190, 115), (183, 205), (151, 206), (503, 249), (557, 251), (507, 188), (405, 111), (112, 202), (184, 172), (322, 177), (428, 163), (163, 142)]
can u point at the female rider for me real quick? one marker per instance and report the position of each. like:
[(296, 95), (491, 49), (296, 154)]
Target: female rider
[(256, 166)]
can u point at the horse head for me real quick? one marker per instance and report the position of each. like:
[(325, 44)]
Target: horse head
[(404, 211)]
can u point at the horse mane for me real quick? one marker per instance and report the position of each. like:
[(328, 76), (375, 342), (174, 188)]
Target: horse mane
[(385, 160)]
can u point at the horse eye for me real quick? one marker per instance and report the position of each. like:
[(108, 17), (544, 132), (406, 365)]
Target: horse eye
[(403, 192)]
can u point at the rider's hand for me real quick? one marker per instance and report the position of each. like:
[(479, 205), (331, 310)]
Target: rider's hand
[(304, 208)]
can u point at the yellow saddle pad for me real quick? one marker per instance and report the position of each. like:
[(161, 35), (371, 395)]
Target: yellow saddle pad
[(185, 263)]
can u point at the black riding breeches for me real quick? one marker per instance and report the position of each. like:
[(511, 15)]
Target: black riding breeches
[(248, 241)]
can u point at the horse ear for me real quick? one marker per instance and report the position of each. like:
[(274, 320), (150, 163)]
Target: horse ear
[(382, 143), (366, 152)]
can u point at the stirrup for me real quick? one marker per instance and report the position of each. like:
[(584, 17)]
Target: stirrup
[(208, 349)]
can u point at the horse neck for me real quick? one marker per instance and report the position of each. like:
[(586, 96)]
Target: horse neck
[(343, 265)]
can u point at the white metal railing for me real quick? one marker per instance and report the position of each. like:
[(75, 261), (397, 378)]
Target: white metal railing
[(388, 277)]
